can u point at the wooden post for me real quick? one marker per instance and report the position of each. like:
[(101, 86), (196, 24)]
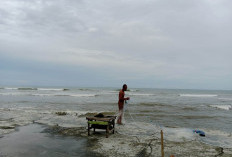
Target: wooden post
[(162, 144), (88, 129), (94, 127), (107, 130), (113, 125)]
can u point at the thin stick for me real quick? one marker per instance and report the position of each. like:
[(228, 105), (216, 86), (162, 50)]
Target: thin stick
[(162, 144)]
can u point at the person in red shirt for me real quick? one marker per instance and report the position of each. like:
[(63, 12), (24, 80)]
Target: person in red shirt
[(121, 100)]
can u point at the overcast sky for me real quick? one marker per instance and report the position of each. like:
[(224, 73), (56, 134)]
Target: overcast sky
[(100, 43)]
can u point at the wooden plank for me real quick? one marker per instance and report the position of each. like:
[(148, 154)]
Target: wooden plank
[(101, 119), (98, 122)]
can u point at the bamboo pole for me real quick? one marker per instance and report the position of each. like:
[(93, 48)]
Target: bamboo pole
[(162, 144)]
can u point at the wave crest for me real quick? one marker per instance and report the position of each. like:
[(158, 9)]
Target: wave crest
[(223, 107), (140, 94), (52, 89), (198, 95), (31, 88)]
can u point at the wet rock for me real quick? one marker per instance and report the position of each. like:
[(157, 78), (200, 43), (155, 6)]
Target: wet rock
[(56, 129), (219, 150), (121, 145), (142, 153), (7, 127), (61, 113)]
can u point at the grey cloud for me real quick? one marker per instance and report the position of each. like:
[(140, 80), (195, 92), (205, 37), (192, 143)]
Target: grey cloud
[(179, 39)]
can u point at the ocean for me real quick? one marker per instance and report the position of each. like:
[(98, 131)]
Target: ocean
[(178, 112)]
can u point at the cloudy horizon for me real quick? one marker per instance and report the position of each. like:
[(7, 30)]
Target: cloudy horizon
[(146, 44)]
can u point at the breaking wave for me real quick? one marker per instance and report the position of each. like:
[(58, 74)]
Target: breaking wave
[(74, 95), (47, 95), (198, 95), (52, 89), (40, 89), (12, 94), (27, 88), (225, 99), (140, 94), (223, 107), (8, 88)]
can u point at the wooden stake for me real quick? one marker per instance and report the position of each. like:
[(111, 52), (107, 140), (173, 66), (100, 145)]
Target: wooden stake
[(162, 144)]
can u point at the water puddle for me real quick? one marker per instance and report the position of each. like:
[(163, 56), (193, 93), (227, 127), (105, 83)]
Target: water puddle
[(31, 140)]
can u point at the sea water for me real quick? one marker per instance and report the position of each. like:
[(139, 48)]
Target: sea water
[(32, 140), (177, 112)]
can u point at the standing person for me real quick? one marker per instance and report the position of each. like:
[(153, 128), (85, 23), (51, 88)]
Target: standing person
[(121, 100)]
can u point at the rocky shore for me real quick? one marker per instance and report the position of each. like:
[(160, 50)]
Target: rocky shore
[(124, 145)]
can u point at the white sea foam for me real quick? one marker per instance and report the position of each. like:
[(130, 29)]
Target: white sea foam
[(223, 107), (71, 95), (178, 134), (6, 131), (51, 89), (142, 129), (43, 94), (140, 94), (113, 91), (198, 95), (218, 138), (225, 98), (133, 90), (30, 88), (218, 132), (83, 95), (12, 94), (9, 88), (138, 129), (27, 115)]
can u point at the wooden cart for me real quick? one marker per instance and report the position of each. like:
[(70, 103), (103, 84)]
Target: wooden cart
[(107, 123)]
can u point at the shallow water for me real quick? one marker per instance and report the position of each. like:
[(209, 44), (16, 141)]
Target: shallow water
[(177, 112), (31, 140)]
